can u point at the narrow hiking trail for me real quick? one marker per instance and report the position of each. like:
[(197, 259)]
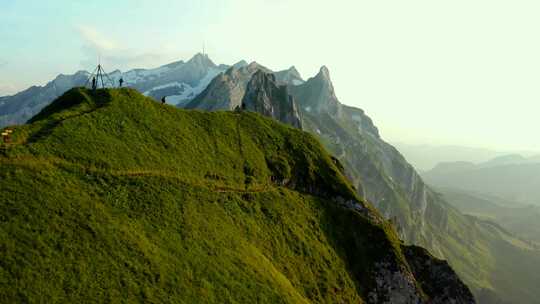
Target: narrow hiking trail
[(61, 164)]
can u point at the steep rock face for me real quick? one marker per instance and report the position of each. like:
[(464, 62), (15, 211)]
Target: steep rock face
[(290, 76), (437, 278), (317, 94), (225, 92), (378, 169), (263, 95), (363, 122)]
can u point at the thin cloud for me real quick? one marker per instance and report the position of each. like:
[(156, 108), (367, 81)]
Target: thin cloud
[(96, 40), (7, 88), (112, 54)]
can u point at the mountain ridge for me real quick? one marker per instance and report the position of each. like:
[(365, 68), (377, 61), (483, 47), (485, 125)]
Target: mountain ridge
[(511, 177), (131, 200)]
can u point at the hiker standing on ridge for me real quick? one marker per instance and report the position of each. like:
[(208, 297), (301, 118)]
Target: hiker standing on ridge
[(120, 82), (163, 101), (93, 83)]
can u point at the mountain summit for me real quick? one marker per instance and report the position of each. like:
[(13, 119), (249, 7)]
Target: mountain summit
[(290, 76), (317, 94), (201, 60)]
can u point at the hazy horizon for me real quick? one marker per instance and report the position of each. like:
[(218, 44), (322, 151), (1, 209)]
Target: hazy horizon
[(457, 73)]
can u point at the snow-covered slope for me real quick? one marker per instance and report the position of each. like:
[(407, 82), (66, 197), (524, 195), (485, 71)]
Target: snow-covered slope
[(179, 81)]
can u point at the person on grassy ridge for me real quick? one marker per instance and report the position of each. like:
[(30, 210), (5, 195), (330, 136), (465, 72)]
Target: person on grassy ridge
[(163, 101)]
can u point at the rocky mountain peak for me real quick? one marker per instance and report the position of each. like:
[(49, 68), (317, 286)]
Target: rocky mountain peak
[(293, 71), (227, 90), (291, 76), (317, 94), (201, 60), (261, 76), (253, 66), (265, 96), (322, 80), (240, 64), (324, 74)]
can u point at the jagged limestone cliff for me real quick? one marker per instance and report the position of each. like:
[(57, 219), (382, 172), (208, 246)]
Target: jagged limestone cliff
[(265, 96)]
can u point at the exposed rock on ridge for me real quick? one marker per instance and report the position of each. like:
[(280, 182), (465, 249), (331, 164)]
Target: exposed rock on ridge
[(263, 95), (318, 94), (437, 278), (227, 90)]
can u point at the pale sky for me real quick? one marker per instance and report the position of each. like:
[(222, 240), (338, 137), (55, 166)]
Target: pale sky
[(460, 72)]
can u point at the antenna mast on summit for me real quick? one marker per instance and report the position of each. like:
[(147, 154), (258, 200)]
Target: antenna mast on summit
[(98, 75)]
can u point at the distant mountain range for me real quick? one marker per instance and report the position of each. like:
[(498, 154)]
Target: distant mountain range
[(512, 177), (494, 263), (426, 157), (521, 220)]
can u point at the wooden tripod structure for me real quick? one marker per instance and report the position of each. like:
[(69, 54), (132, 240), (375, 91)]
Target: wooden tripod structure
[(97, 76)]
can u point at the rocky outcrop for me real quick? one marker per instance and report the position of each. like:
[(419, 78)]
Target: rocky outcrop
[(263, 95), (437, 279), (226, 91), (290, 76), (317, 94)]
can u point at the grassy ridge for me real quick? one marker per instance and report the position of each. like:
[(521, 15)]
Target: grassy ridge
[(112, 197)]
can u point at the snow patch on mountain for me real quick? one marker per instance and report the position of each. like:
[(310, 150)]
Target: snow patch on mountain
[(184, 92)]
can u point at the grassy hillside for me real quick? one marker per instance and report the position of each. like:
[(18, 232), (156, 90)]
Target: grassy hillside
[(111, 197)]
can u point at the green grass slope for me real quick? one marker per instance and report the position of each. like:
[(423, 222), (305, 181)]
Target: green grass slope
[(110, 197)]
